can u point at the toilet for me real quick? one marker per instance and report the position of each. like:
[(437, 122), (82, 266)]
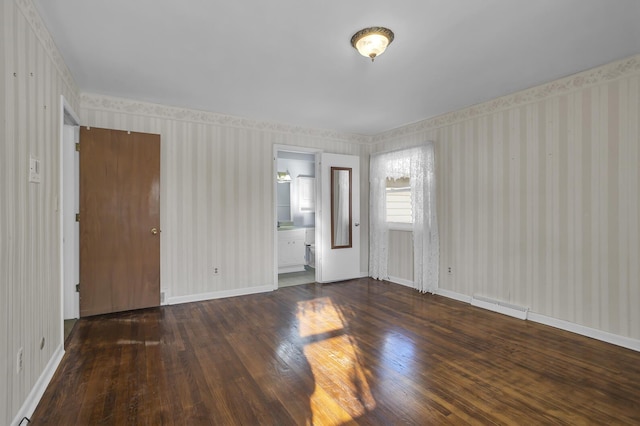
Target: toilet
[(310, 247), (310, 255)]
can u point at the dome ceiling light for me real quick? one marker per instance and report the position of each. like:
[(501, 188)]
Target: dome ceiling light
[(372, 41)]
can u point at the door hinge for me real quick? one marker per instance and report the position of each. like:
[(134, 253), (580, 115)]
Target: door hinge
[(77, 217), (77, 288), (78, 147)]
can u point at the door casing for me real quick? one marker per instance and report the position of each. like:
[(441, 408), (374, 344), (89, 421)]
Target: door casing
[(318, 225), (69, 253)]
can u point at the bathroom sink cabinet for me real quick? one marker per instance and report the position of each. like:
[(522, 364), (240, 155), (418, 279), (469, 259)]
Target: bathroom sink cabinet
[(291, 250)]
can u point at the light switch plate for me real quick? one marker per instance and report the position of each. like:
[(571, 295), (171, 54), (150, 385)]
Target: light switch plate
[(34, 169)]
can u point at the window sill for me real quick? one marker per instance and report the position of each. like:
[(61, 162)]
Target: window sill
[(396, 226)]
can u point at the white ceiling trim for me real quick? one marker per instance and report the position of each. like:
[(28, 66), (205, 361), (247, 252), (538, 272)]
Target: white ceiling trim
[(37, 25), (120, 105), (261, 62), (606, 73)]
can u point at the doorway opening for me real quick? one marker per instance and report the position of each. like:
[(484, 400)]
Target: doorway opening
[(68, 207), (295, 205)]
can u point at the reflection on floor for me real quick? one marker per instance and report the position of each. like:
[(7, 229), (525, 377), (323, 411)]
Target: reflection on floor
[(297, 278), (359, 352)]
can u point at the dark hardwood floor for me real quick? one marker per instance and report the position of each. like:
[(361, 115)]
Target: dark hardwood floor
[(358, 352)]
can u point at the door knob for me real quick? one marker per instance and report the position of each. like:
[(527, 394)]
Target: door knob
[(154, 231)]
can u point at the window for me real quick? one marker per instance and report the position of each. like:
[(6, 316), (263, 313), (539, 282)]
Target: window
[(398, 200), (402, 197)]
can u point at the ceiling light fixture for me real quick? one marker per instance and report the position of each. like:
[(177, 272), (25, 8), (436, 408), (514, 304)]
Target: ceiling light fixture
[(284, 177), (372, 41)]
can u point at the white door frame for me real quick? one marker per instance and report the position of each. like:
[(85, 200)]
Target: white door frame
[(292, 148), (68, 181)]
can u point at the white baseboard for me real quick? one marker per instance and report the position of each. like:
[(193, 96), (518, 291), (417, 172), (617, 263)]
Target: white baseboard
[(290, 269), (453, 295), (401, 281), (500, 307), (615, 339), (218, 294), (30, 404)]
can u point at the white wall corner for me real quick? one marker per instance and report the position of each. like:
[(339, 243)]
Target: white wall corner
[(401, 281)]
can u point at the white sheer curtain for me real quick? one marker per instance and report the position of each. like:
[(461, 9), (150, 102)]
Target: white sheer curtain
[(418, 165), (426, 242), (378, 227)]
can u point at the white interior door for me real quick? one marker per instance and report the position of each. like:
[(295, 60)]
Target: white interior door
[(340, 218)]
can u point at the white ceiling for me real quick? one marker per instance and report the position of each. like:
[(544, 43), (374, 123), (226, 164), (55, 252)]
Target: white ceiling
[(291, 62)]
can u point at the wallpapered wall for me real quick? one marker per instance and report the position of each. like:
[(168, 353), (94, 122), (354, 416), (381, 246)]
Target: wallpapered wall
[(217, 208), (216, 191), (34, 76), (538, 198)]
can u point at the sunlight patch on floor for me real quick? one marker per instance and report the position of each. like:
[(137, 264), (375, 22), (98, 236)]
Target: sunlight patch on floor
[(318, 317), (342, 390)]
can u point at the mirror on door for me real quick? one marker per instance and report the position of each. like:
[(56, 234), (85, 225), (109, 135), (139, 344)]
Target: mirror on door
[(341, 207)]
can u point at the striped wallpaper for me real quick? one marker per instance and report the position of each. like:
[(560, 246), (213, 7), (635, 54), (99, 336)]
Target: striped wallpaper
[(538, 198), (32, 81), (216, 192), (401, 256)]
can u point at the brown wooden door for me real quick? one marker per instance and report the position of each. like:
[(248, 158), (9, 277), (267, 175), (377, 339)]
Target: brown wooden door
[(119, 221)]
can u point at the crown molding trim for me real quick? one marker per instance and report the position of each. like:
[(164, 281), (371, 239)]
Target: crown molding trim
[(606, 73), (89, 101), (32, 16)]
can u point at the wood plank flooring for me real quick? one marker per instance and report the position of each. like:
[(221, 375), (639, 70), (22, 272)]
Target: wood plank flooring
[(357, 352)]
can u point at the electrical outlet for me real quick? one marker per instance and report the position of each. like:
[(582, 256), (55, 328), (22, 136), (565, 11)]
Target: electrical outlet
[(216, 271), (449, 270), (19, 360)]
